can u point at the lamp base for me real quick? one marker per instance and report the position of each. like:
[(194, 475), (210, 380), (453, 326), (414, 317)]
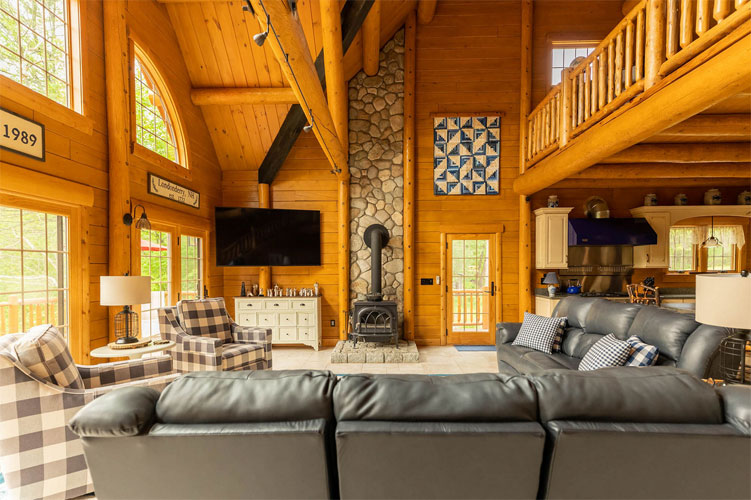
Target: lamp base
[(126, 340), (735, 357)]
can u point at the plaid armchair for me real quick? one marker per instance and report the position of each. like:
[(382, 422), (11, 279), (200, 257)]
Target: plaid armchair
[(39, 456), (207, 339)]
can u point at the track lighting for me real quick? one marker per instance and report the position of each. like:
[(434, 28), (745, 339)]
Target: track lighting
[(260, 38), (307, 128)]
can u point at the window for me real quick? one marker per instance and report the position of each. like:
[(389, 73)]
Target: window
[(34, 270), (722, 258), (191, 267), (156, 261), (682, 249), (155, 122), (563, 55), (35, 47)]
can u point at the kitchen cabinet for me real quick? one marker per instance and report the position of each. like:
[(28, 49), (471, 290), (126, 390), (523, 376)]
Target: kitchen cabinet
[(551, 238), (544, 305), (647, 256)]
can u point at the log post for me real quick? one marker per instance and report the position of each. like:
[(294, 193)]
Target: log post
[(409, 175), (426, 10), (264, 272), (655, 42), (230, 96), (117, 90), (336, 92), (525, 211), (566, 109), (371, 39)]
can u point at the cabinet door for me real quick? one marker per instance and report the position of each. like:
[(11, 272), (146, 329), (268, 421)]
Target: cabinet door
[(247, 319), (287, 319), (551, 241), (647, 256)]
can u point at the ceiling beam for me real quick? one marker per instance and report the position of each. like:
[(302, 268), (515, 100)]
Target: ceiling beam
[(426, 10), (353, 14), (690, 89), (371, 39), (666, 171), (730, 128), (648, 183), (683, 153), (232, 96)]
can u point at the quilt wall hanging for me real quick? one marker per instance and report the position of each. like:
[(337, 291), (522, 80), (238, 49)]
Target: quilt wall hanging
[(466, 155)]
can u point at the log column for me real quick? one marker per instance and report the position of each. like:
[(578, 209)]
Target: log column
[(264, 272), (525, 233), (371, 39), (409, 175), (336, 93), (654, 52)]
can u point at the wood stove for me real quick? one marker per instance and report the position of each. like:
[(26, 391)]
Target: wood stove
[(375, 319)]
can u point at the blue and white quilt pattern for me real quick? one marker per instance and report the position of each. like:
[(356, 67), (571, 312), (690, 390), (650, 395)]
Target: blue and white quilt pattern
[(466, 155)]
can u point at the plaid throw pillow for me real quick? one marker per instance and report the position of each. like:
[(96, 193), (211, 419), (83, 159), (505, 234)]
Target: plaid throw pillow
[(608, 351), (558, 340), (641, 354), (538, 332), (45, 353), (205, 318)]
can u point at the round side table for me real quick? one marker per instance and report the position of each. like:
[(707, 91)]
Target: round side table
[(136, 353)]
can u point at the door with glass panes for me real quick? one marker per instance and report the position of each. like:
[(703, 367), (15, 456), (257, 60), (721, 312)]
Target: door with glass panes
[(470, 288)]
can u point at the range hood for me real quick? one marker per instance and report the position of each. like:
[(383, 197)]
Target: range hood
[(632, 232)]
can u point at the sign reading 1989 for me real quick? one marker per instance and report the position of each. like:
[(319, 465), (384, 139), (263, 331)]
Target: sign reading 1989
[(21, 135)]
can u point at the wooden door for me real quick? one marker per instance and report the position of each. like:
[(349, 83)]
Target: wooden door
[(470, 288)]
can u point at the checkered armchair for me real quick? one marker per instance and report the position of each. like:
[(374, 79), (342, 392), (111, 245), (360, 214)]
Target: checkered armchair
[(41, 389), (207, 339)]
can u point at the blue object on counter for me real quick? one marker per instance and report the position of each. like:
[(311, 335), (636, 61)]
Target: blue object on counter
[(574, 289)]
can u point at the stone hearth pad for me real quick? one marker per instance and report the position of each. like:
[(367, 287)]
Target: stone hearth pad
[(375, 352)]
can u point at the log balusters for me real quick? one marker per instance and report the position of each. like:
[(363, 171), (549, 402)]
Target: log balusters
[(543, 127)]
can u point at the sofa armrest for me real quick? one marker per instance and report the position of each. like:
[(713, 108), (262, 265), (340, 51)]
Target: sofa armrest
[(736, 402), (701, 349), (505, 333), (123, 412), (250, 334), (198, 344), (118, 372)]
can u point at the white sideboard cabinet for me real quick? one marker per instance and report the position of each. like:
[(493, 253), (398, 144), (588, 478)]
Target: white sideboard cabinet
[(292, 320)]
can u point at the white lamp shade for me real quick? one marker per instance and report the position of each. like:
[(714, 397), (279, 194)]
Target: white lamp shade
[(724, 300), (124, 290)]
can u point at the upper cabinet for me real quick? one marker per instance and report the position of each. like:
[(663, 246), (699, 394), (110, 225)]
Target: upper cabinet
[(551, 237)]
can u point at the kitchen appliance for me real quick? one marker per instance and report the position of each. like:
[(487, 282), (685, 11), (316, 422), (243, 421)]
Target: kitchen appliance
[(574, 287), (600, 268), (599, 229)]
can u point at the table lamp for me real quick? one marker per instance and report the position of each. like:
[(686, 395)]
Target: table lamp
[(723, 300), (125, 291), (551, 279)]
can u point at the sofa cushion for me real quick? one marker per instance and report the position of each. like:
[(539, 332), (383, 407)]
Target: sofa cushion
[(575, 309), (664, 329), (606, 317), (128, 411), (526, 360), (237, 356), (576, 342), (623, 394), (247, 396), (205, 318), (480, 397), (44, 351), (641, 354), (551, 361), (608, 351), (538, 332)]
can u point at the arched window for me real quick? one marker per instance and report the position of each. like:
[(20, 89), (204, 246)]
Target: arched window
[(157, 125)]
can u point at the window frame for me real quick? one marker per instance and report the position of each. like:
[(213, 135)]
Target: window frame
[(701, 254), (566, 41), (169, 167)]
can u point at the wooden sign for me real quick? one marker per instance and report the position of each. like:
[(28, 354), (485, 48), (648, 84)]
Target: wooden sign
[(167, 189), (21, 135)]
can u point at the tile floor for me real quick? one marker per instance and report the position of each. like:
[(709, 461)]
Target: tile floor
[(433, 360)]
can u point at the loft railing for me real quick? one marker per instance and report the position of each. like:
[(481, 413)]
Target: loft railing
[(654, 39)]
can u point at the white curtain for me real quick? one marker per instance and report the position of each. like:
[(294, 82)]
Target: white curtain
[(727, 234)]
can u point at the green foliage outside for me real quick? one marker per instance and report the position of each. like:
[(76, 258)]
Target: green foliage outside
[(153, 130), (470, 271)]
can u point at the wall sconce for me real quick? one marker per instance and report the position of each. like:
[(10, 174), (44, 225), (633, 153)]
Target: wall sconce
[(141, 223)]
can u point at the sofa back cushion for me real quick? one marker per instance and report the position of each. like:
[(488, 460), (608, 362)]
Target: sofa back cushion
[(481, 397), (664, 329), (577, 342), (247, 396), (626, 394), (205, 318), (44, 351), (607, 317), (575, 309)]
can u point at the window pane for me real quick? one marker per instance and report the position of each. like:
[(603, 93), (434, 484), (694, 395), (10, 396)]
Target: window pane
[(10, 224), (156, 261)]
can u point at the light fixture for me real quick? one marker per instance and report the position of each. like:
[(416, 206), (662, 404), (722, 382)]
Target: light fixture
[(308, 127), (141, 223), (260, 38), (712, 241), (125, 291)]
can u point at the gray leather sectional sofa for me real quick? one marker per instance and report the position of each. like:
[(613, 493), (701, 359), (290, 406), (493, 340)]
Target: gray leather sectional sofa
[(613, 433), (682, 342)]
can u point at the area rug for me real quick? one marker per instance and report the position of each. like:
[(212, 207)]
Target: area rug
[(475, 348)]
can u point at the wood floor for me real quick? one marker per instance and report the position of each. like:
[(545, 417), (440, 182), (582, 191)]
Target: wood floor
[(433, 360)]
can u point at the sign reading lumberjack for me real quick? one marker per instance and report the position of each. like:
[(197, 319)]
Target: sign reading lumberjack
[(167, 189)]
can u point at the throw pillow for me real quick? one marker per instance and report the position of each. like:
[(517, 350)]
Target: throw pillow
[(608, 351), (205, 318), (641, 354), (538, 332), (45, 353), (558, 341)]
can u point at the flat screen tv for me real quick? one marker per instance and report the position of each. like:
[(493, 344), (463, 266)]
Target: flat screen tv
[(267, 237)]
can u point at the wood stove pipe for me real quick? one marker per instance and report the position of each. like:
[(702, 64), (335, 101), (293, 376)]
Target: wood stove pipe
[(376, 237)]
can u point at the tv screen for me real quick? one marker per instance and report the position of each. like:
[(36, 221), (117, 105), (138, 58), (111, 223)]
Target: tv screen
[(267, 237)]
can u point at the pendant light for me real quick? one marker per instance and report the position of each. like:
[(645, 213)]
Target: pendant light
[(712, 241)]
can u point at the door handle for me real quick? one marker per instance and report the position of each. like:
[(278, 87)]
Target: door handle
[(492, 289)]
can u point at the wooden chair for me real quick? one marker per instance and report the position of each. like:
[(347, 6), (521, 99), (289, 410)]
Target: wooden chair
[(643, 294)]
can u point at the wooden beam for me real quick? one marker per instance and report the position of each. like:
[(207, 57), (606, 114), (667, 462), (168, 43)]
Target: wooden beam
[(409, 159), (688, 90), (651, 183), (525, 207), (231, 96), (627, 5), (264, 272), (353, 14), (727, 127), (666, 171), (288, 44), (683, 153), (426, 10), (371, 39)]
